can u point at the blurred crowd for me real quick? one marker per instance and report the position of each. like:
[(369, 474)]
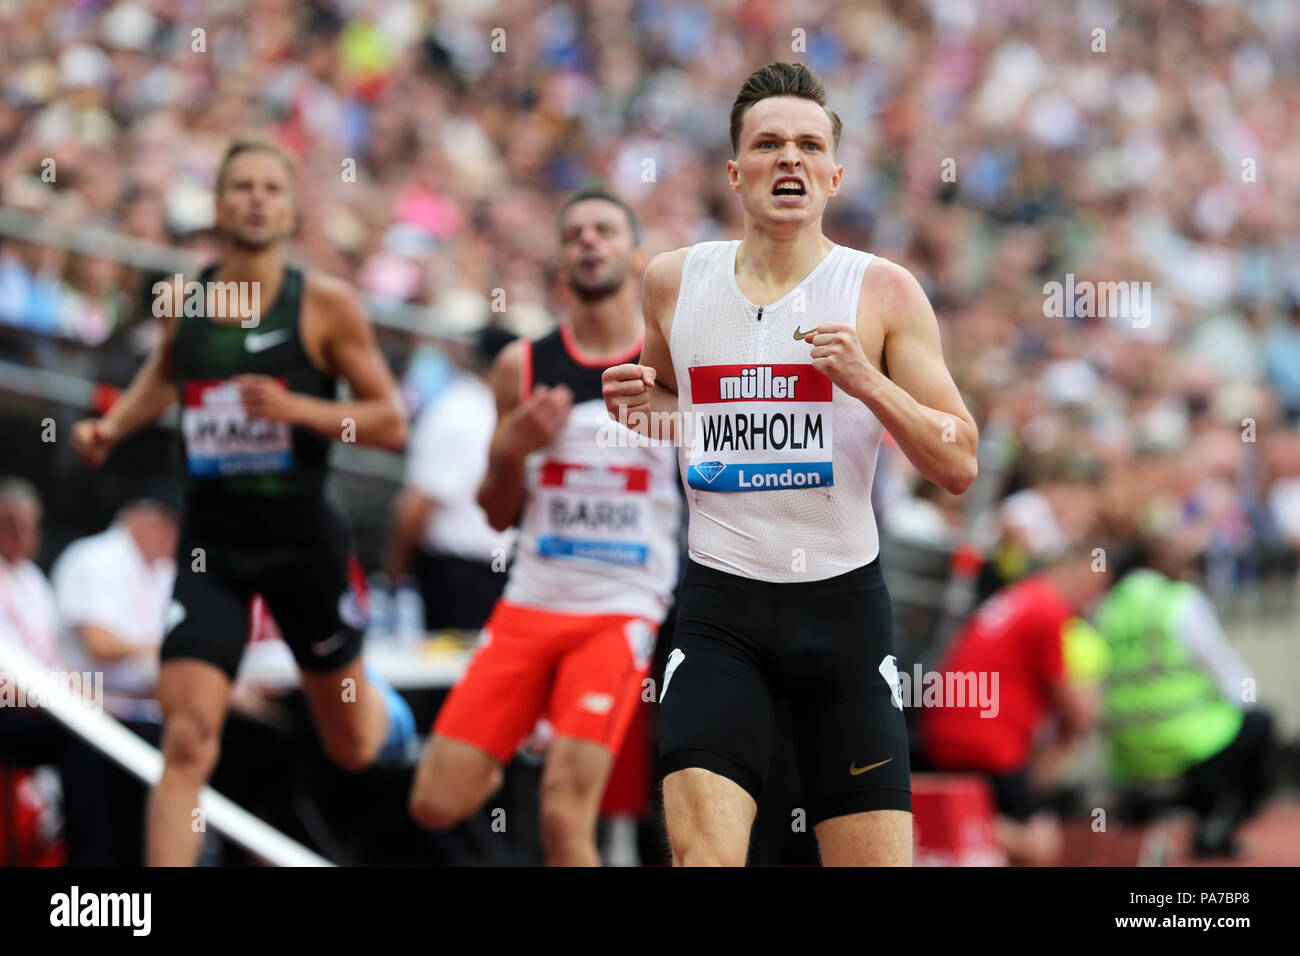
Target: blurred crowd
[(990, 146)]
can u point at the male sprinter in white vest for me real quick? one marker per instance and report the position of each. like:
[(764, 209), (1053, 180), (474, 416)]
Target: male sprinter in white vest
[(598, 512), (786, 355)]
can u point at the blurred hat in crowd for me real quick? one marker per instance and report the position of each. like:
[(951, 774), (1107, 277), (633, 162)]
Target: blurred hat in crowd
[(1070, 382), (1236, 401), (191, 207), (529, 320), (1029, 514), (84, 66), (459, 315), (344, 229), (37, 81), (128, 26), (29, 194)]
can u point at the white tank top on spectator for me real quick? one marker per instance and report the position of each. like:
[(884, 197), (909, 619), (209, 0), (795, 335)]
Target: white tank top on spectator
[(601, 513), (447, 462), (779, 463)]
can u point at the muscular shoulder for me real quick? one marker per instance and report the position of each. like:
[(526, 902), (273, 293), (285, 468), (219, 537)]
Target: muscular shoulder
[(663, 277), (168, 306), (332, 297), (891, 295), (333, 319)]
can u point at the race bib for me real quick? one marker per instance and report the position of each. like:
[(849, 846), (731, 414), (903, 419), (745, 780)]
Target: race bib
[(593, 513), (221, 440), (760, 428)]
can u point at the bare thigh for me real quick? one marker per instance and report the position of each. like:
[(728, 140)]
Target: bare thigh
[(452, 781), (873, 838), (709, 818)]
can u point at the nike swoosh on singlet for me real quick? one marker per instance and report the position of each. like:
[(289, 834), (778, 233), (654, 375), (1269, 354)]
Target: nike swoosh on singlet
[(260, 343), (800, 336), (854, 769), (331, 644)]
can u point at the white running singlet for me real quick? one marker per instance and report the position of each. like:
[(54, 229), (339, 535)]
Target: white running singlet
[(601, 512), (777, 461)]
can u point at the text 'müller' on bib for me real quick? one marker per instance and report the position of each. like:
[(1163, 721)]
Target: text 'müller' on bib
[(220, 439), (760, 428)]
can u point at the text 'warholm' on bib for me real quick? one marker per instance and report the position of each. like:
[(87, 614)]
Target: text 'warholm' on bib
[(760, 428)]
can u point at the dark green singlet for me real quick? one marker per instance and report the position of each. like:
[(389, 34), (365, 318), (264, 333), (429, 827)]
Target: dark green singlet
[(227, 454)]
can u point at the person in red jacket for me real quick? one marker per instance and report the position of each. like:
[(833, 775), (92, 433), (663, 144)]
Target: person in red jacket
[(1016, 639)]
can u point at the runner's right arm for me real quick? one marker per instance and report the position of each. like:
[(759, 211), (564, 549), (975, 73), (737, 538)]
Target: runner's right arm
[(151, 392), (630, 389), (523, 426)]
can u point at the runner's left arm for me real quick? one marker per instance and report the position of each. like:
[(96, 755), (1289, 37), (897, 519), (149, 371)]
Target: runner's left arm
[(914, 397), (374, 416)]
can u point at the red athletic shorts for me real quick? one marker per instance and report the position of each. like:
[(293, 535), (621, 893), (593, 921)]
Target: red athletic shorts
[(583, 672)]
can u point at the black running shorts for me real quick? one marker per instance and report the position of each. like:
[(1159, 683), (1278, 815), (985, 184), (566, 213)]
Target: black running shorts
[(826, 647), (296, 553)]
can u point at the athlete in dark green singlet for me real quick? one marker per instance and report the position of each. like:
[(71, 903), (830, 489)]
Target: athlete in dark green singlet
[(258, 413)]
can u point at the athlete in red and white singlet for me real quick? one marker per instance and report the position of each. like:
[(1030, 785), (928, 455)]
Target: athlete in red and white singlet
[(598, 513)]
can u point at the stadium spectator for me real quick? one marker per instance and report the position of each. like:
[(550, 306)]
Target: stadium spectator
[(112, 591), (1016, 638), (29, 738), (438, 529), (1179, 699), (28, 617)]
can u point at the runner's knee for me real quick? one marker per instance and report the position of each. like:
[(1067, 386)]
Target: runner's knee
[(191, 744), (350, 750), (441, 798)]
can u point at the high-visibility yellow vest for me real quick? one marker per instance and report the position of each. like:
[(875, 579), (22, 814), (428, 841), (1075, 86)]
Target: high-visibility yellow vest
[(1161, 712)]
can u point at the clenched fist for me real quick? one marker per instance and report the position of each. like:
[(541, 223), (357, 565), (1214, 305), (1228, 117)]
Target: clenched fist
[(267, 398), (837, 354), (537, 419), (626, 388), (93, 439)]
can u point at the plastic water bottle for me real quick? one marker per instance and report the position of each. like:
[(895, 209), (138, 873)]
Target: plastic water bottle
[(382, 624), (408, 612)]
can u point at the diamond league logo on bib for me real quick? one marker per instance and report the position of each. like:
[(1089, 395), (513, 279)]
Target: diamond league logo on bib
[(709, 470), (760, 428)]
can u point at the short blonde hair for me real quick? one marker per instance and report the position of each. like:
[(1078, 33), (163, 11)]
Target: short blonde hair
[(255, 142)]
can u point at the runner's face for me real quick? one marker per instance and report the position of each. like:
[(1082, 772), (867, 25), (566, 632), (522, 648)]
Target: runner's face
[(597, 250), (785, 142), (255, 204)]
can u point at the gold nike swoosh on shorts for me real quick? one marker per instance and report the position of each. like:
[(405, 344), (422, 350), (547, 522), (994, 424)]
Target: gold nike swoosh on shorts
[(854, 769), (800, 336)]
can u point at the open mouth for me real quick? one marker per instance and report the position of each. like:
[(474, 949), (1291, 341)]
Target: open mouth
[(789, 189)]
